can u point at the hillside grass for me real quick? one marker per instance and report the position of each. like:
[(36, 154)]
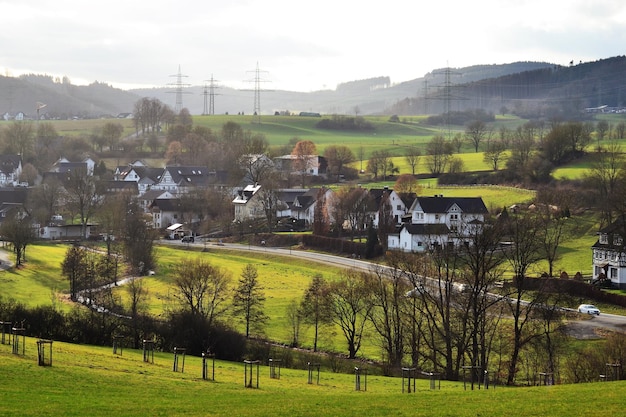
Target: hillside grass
[(40, 281), (91, 381)]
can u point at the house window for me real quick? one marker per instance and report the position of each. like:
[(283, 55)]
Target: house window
[(398, 207), (436, 217), (617, 240), (454, 217), (419, 244), (613, 273), (604, 239)]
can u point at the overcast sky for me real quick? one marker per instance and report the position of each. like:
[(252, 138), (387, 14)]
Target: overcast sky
[(298, 45)]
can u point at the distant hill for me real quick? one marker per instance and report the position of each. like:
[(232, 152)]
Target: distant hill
[(62, 99), (526, 87)]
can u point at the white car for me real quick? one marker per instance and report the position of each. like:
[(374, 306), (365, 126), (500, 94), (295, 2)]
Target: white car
[(588, 309)]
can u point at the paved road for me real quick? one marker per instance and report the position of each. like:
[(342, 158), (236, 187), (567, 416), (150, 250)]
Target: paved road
[(584, 328)]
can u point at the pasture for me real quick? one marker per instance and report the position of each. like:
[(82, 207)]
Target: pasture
[(92, 381)]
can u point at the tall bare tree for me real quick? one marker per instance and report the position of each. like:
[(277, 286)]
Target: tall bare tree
[(411, 156), (83, 196), (475, 132), (351, 304), (523, 252), (202, 288), (315, 306), (338, 156), (302, 158), (249, 299)]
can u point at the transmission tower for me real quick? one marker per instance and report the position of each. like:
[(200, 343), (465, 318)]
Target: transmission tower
[(447, 96), (209, 96), (179, 86), (257, 93)]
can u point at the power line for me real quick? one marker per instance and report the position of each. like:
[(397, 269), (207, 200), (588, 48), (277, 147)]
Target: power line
[(209, 96), (447, 95), (179, 85), (257, 93)]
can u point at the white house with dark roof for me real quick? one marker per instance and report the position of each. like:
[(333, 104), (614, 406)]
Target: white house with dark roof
[(10, 169), (182, 179), (438, 221), (609, 254), (247, 203)]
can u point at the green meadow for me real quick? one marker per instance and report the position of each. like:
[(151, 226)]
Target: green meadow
[(92, 381)]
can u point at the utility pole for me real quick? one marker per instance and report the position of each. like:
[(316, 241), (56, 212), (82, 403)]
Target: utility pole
[(257, 93), (209, 97), (179, 85), (447, 95)]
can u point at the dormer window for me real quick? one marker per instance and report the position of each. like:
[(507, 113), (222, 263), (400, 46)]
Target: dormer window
[(604, 239), (618, 241)]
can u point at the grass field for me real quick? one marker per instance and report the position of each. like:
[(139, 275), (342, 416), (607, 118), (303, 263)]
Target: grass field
[(91, 381)]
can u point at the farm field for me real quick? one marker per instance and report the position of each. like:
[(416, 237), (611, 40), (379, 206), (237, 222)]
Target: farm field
[(85, 380)]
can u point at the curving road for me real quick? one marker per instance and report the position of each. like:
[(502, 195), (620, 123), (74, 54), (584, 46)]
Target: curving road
[(584, 328)]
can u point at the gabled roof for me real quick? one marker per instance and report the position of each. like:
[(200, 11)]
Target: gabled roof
[(166, 204), (439, 204), (189, 175), (407, 198), (13, 195), (146, 172), (9, 163), (243, 196), (152, 195), (306, 200)]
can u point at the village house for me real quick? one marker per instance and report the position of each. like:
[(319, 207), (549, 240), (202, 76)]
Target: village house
[(609, 254), (247, 203), (10, 170), (438, 221)]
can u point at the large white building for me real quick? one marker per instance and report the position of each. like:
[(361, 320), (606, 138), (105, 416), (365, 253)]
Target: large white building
[(609, 254), (438, 221)]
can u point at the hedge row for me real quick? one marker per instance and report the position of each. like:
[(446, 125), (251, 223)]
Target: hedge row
[(337, 245), (575, 288)]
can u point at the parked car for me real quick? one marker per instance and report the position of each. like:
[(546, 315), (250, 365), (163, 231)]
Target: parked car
[(588, 309), (187, 239)]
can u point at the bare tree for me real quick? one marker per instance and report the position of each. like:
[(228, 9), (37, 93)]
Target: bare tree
[(138, 295), (294, 317), (337, 157), (83, 196), (438, 153), (202, 288), (17, 229), (475, 132), (315, 306), (351, 304), (411, 156), (248, 300), (389, 299), (523, 252), (494, 154), (302, 158)]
